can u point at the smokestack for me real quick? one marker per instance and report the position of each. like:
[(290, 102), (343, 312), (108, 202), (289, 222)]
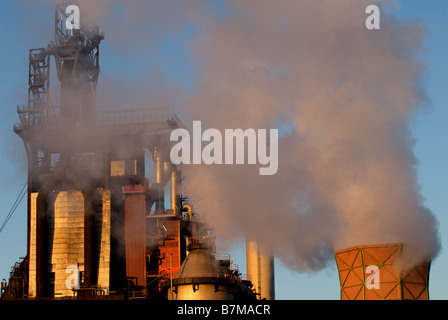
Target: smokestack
[(260, 266), (158, 177), (376, 272), (174, 194)]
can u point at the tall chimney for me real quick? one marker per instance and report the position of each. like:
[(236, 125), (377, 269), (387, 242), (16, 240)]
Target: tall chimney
[(159, 177), (260, 266), (174, 192)]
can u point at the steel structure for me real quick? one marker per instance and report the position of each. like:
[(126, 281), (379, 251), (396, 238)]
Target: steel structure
[(97, 228), (77, 155)]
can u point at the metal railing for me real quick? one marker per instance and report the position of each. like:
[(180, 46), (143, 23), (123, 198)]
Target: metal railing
[(104, 118), (32, 118), (204, 275)]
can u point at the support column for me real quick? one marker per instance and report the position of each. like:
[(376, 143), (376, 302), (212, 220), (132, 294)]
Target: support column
[(43, 203), (41, 246), (89, 239)]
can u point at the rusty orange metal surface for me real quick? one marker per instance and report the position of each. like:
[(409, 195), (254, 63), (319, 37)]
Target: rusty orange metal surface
[(370, 273), (135, 233)]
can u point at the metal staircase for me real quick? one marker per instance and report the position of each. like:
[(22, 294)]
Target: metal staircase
[(17, 287)]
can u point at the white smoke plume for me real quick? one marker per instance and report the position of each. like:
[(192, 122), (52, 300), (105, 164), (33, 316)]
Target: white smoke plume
[(344, 97), (341, 95)]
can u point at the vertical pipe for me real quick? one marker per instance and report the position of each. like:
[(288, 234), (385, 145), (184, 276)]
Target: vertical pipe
[(158, 177), (171, 276), (174, 205), (260, 266), (30, 191)]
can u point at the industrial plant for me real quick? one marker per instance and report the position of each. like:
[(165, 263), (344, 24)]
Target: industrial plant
[(98, 228)]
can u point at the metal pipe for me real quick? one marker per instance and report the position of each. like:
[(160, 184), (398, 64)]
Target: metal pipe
[(260, 266), (171, 276), (158, 177), (174, 204)]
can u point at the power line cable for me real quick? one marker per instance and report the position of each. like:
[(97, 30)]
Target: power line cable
[(14, 206)]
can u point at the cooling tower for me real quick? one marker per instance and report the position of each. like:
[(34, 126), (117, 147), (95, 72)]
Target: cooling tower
[(370, 273)]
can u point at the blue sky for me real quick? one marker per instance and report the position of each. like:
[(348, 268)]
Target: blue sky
[(25, 25)]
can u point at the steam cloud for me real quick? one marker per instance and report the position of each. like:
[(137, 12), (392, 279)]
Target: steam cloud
[(342, 97), (345, 96)]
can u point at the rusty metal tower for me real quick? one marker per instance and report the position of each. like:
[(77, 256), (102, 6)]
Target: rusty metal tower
[(83, 165), (96, 226), (76, 54)]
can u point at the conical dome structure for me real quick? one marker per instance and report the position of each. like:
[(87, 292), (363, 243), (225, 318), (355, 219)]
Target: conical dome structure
[(201, 277)]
